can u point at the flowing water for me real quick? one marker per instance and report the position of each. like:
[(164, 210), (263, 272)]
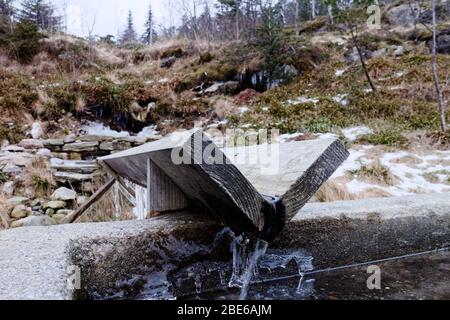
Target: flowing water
[(259, 273)]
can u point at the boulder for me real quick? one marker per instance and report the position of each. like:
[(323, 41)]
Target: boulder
[(443, 44), (403, 15), (379, 53), (64, 194), (36, 131), (399, 51), (54, 205), (15, 201), (30, 144), (8, 188), (33, 221), (81, 147), (20, 211)]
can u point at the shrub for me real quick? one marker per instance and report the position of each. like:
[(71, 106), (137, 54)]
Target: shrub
[(23, 43), (16, 92)]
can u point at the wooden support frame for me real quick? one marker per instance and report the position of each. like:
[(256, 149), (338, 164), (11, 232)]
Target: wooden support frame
[(95, 197)]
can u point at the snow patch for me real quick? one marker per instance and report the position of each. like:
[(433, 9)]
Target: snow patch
[(352, 134), (302, 100), (99, 129)]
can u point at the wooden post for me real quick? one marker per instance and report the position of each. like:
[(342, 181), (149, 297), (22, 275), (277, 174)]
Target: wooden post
[(149, 181), (95, 197)]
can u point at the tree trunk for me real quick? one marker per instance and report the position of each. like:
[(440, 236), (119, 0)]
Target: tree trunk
[(313, 9), (437, 83), (297, 17), (330, 15)]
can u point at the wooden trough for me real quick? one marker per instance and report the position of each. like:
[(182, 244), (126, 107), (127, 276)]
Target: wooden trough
[(187, 169)]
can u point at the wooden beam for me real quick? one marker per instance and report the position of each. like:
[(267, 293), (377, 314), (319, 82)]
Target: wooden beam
[(95, 197)]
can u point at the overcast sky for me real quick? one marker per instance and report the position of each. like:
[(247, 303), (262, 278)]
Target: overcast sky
[(110, 15)]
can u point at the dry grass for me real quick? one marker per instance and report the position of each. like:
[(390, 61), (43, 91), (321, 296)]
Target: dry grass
[(333, 191), (4, 213), (38, 178), (375, 173)]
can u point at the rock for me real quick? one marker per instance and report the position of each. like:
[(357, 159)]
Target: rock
[(64, 194), (59, 218), (36, 202), (443, 44), (71, 138), (74, 166), (379, 53), (13, 148), (30, 144), (72, 177), (50, 212), (4, 143), (399, 51), (117, 145), (46, 153), (53, 143), (22, 159), (11, 169), (403, 15), (15, 201), (34, 221), (95, 138), (8, 188), (36, 131), (81, 147), (54, 205), (290, 71), (81, 200), (168, 63), (20, 211)]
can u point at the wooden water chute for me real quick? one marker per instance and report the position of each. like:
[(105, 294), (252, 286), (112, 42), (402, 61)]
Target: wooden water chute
[(186, 169)]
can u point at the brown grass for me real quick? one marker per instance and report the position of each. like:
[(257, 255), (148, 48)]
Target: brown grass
[(38, 178), (334, 191), (4, 213)]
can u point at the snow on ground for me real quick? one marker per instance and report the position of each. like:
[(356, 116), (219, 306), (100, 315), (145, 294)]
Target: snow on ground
[(99, 129), (413, 172), (352, 134)]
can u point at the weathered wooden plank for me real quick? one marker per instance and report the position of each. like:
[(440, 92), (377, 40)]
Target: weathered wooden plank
[(220, 188), (293, 171), (95, 197)]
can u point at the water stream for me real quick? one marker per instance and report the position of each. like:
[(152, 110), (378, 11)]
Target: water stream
[(257, 272)]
